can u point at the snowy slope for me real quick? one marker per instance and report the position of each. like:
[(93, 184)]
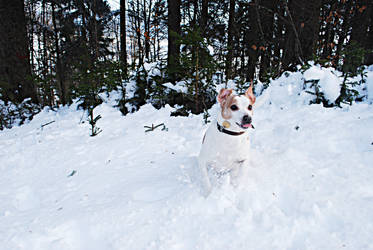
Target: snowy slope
[(310, 183)]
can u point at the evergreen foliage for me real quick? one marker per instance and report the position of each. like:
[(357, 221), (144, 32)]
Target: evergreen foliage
[(198, 67), (352, 56), (103, 77), (13, 113)]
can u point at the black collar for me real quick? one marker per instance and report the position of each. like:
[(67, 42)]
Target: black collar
[(223, 130)]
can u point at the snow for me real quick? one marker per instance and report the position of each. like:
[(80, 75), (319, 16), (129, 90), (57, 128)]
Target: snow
[(114, 5), (152, 69), (178, 87), (287, 90), (329, 82), (309, 185), (370, 85)]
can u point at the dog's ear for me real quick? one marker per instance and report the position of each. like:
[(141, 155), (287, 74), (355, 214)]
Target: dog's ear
[(223, 94), (250, 94)]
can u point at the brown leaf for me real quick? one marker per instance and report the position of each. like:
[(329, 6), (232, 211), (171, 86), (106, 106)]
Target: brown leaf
[(362, 8)]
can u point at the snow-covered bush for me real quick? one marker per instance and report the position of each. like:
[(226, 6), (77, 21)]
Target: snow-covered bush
[(332, 87), (145, 86), (12, 113), (191, 94), (323, 83)]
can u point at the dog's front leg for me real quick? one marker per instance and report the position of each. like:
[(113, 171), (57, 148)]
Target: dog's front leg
[(205, 180), (238, 174), (234, 175)]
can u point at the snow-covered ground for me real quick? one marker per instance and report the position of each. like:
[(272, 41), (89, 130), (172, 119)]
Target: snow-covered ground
[(309, 185)]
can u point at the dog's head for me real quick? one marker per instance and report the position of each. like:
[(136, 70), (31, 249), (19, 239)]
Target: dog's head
[(236, 109)]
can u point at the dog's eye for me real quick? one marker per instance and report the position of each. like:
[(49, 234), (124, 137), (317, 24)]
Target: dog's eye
[(234, 107), (250, 107)]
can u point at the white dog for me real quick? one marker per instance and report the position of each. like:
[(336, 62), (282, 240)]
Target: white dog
[(226, 145)]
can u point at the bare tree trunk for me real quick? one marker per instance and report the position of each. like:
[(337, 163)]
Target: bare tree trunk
[(204, 17), (59, 72), (174, 30), (96, 54), (368, 60), (328, 38), (15, 69), (47, 86), (123, 36), (307, 23), (294, 47), (158, 43), (342, 32), (229, 58), (32, 15), (196, 84), (265, 21), (138, 32), (146, 18)]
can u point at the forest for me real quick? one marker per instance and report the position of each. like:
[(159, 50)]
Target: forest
[(53, 52)]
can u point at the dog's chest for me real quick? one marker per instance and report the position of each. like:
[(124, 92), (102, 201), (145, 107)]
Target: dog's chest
[(225, 152)]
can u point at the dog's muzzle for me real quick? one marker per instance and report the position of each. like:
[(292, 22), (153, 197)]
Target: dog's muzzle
[(246, 122)]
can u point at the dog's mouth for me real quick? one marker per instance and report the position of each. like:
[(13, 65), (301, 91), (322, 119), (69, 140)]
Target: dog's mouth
[(245, 125)]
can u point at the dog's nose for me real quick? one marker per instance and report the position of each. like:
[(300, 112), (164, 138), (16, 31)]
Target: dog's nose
[(246, 119)]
